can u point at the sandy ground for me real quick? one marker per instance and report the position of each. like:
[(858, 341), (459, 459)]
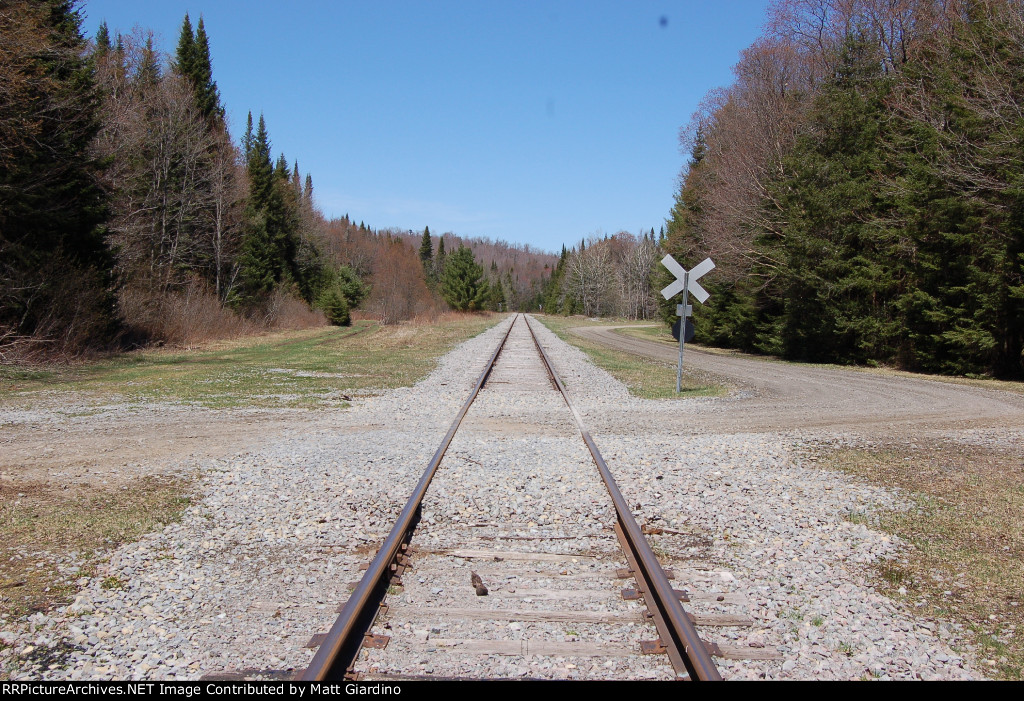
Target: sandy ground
[(773, 395), (63, 441)]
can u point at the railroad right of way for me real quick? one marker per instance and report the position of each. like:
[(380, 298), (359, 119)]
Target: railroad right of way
[(275, 536)]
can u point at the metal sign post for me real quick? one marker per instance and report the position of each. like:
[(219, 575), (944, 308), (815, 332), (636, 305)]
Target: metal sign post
[(686, 282), (681, 313)]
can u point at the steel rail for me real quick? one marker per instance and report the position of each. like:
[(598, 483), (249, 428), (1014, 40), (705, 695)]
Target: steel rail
[(341, 645), (681, 631)]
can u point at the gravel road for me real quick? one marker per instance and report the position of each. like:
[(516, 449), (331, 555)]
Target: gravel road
[(277, 533), (779, 396)]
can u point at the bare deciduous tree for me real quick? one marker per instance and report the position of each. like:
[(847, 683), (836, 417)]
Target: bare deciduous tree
[(633, 267), (591, 277), (170, 177)]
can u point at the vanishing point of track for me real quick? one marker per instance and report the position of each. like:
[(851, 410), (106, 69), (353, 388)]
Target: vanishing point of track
[(521, 363)]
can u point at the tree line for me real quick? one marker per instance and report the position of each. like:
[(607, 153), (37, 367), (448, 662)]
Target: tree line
[(127, 209), (607, 276), (861, 187)]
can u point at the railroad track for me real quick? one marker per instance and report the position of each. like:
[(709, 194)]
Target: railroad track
[(516, 558)]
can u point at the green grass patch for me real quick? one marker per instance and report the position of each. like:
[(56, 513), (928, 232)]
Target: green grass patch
[(302, 369), (645, 377), (659, 334)]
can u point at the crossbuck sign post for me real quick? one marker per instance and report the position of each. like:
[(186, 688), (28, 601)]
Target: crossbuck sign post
[(686, 282)]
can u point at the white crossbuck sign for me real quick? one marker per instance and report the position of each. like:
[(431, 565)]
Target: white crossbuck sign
[(686, 282), (685, 279)]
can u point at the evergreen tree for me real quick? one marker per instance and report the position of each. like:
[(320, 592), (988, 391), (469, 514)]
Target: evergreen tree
[(427, 254), (439, 261), (247, 140), (260, 169), (844, 270), (342, 291), (462, 284), (967, 315), (496, 297), (55, 267), (149, 68), (102, 40), (334, 305), (260, 261), (185, 59), (192, 62), (207, 95), (257, 269)]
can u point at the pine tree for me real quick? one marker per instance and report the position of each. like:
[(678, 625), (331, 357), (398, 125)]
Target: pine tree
[(261, 171), (967, 314), (248, 139), (185, 59), (102, 40), (207, 95), (846, 268), (462, 284), (439, 260), (342, 291), (55, 266), (149, 68), (259, 263), (427, 254), (192, 62), (496, 297)]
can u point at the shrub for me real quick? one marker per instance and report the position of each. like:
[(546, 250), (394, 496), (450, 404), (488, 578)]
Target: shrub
[(333, 303)]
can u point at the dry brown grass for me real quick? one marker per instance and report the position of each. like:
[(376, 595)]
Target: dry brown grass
[(433, 317), (967, 533)]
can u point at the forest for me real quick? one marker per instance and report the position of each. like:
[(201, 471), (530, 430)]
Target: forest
[(860, 186), (130, 216)]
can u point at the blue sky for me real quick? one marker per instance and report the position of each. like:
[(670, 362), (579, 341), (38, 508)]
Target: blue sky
[(533, 122)]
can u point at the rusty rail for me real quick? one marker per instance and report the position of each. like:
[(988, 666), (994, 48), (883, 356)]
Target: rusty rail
[(682, 635), (341, 645)]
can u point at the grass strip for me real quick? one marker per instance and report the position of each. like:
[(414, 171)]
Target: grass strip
[(297, 369), (645, 377)]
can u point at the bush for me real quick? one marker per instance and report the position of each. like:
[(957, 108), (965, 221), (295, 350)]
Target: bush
[(333, 303), (182, 318)]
